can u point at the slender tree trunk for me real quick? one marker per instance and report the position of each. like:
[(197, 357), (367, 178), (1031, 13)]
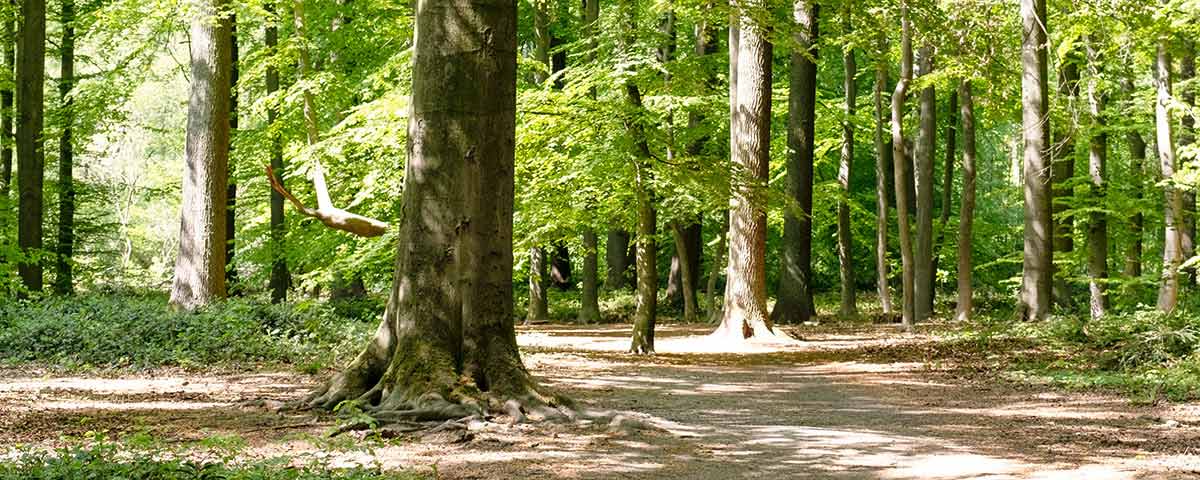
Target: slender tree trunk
[(616, 259), (1062, 171), (200, 266), (688, 275), (899, 160), (947, 198), (589, 311), (280, 277), (923, 167), (745, 312), (849, 307), (539, 279), (1168, 294), (794, 296), (690, 251), (716, 298), (64, 251), (1097, 165), (881, 187), (31, 63), (6, 111), (231, 189), (1137, 162), (967, 212), (1187, 73), (1038, 253)]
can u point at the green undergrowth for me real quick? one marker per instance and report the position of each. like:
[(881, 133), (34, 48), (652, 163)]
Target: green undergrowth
[(1143, 353), (141, 331), (105, 460)]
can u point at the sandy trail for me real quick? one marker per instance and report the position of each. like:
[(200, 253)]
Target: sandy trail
[(824, 408)]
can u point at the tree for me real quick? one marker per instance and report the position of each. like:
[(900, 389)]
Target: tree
[(1097, 236), (745, 312), (8, 58), (64, 250), (881, 187), (617, 259), (687, 240), (646, 314), (589, 310), (446, 347), (1168, 293), (280, 277), (1038, 253), (845, 172), (231, 188), (898, 162), (1187, 74), (31, 63), (923, 176), (793, 304), (1137, 161), (200, 265), (1062, 158), (538, 309), (967, 212)]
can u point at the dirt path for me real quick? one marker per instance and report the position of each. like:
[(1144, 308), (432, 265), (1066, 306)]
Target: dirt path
[(826, 408)]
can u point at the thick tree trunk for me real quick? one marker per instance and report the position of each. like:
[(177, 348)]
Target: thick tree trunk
[(31, 63), (1063, 170), (881, 185), (745, 312), (64, 251), (589, 311), (967, 212), (849, 307), (447, 339), (1187, 73), (793, 304), (280, 277), (200, 266), (923, 176), (616, 259), (231, 188), (539, 280), (1168, 293), (560, 267), (899, 161), (1137, 162), (1038, 252), (1097, 237)]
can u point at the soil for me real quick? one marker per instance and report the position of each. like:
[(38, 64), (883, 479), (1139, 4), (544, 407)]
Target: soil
[(862, 402)]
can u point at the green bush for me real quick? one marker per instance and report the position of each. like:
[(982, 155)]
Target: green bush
[(141, 331)]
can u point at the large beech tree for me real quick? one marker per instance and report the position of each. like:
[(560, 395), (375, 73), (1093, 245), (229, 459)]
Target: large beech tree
[(1038, 266), (446, 346)]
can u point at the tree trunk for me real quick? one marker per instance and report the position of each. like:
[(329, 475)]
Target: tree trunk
[(1187, 73), (1038, 252), (899, 161), (200, 266), (1137, 162), (967, 212), (923, 154), (849, 307), (745, 312), (6, 112), (31, 63), (280, 277), (947, 198), (539, 279), (1097, 165), (64, 251), (690, 250), (687, 241), (589, 311), (1168, 294), (1063, 169), (616, 258), (231, 189), (560, 267), (447, 339), (793, 304), (881, 187), (716, 298)]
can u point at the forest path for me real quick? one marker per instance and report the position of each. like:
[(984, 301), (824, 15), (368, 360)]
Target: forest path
[(841, 404)]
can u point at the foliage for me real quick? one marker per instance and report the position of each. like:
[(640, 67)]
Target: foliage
[(137, 330)]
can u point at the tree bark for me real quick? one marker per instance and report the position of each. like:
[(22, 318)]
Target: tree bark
[(687, 241), (793, 304), (745, 312), (1062, 171), (899, 161), (716, 298), (923, 177), (947, 197), (1137, 162), (849, 307), (967, 212), (280, 277), (589, 311), (1097, 170), (539, 280), (560, 267), (1168, 293), (690, 251), (881, 187), (1187, 73), (31, 63), (231, 188), (64, 251), (1038, 252), (616, 258), (8, 57), (200, 266)]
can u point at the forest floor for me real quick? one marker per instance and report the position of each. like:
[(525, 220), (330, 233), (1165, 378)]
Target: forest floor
[(853, 402)]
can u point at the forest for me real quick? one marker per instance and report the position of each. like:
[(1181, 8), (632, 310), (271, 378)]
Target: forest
[(393, 239)]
